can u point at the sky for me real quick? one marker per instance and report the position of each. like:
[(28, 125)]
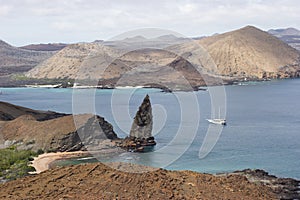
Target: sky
[(68, 21)]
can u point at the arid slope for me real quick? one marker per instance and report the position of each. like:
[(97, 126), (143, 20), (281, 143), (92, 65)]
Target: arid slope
[(51, 131), (250, 52), (244, 53), (17, 60), (98, 181), (9, 112)]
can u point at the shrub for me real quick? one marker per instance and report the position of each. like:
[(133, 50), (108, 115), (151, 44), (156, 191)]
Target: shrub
[(40, 151), (14, 163)]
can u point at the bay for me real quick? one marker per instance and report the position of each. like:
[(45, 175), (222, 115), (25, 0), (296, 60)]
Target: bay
[(262, 131)]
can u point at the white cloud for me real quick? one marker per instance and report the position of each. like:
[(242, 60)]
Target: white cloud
[(4, 10), (86, 20), (187, 8)]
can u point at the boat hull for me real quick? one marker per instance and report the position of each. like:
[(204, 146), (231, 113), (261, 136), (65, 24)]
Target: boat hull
[(217, 121)]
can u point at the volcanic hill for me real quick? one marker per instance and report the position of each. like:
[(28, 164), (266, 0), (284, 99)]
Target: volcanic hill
[(252, 53), (244, 53)]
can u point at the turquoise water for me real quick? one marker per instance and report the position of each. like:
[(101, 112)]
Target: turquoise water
[(262, 131)]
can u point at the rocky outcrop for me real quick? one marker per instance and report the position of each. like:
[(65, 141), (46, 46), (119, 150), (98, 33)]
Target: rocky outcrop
[(143, 123), (141, 129), (284, 188), (94, 131), (134, 144), (90, 135), (66, 142), (50, 131)]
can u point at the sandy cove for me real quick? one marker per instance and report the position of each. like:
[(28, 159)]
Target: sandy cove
[(43, 161)]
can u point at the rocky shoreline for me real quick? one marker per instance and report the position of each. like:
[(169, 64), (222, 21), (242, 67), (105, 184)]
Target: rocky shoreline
[(284, 188), (9, 82)]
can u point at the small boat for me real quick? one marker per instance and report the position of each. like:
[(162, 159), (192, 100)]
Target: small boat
[(219, 120)]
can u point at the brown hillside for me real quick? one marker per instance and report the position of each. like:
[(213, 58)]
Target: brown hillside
[(45, 47), (154, 66), (13, 59), (59, 134), (41, 134), (247, 52), (67, 63), (250, 52), (9, 112), (139, 67), (51, 131), (98, 181)]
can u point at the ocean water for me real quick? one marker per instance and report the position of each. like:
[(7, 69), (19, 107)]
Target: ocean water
[(263, 129)]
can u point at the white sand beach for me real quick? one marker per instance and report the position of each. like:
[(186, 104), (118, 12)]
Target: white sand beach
[(43, 161)]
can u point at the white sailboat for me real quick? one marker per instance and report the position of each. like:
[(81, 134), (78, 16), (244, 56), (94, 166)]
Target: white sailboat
[(219, 120)]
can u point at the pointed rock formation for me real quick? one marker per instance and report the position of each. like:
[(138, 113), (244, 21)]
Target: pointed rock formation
[(143, 123), (141, 129)]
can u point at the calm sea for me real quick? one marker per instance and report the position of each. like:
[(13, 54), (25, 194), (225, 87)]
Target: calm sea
[(263, 129)]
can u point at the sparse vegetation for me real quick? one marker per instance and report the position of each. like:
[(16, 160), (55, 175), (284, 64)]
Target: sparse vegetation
[(20, 77), (40, 151), (14, 163)]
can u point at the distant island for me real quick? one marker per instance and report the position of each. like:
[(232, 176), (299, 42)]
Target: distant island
[(242, 55), (290, 36)]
